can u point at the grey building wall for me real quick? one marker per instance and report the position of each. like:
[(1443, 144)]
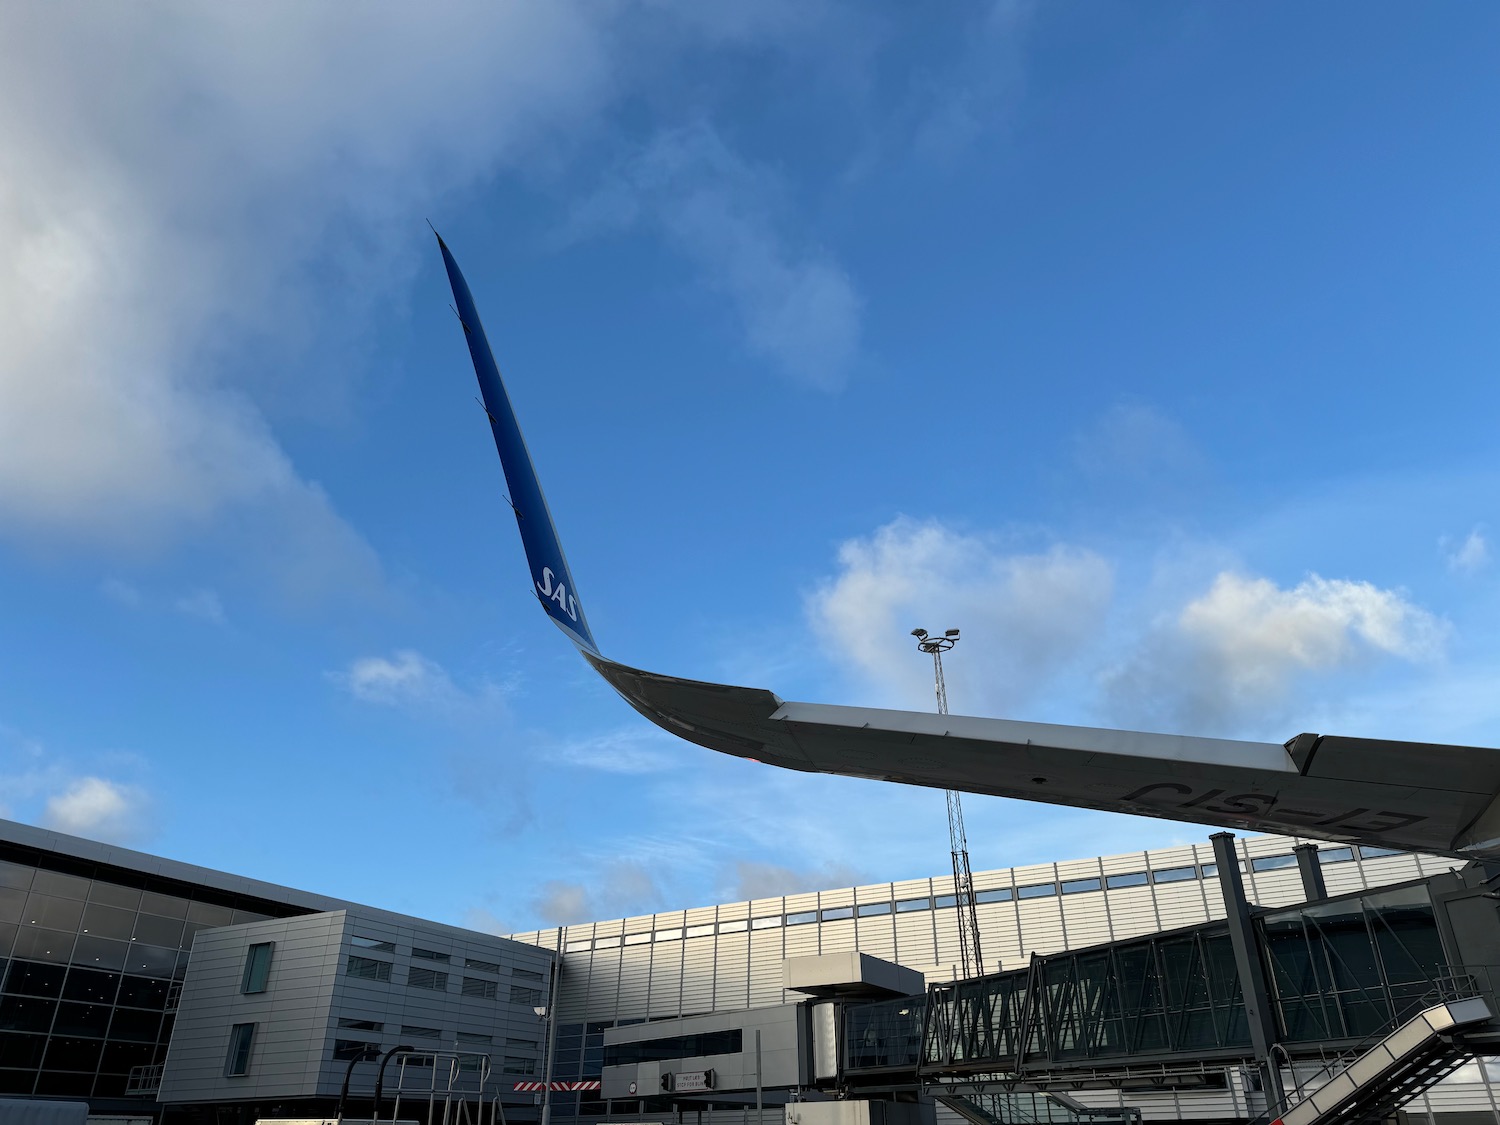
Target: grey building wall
[(782, 1043), (476, 996)]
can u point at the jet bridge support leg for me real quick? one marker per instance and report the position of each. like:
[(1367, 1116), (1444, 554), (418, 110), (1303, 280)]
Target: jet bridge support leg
[(1259, 1012), (1311, 870)]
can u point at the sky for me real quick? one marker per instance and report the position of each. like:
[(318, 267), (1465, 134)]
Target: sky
[(1153, 346)]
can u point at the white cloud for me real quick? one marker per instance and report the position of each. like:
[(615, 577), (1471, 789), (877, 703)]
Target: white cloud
[(406, 678), (486, 921), (203, 605), (630, 750), (121, 593), (1024, 617), (99, 809), (619, 888), (796, 304), (1468, 556), (168, 173), (1233, 654)]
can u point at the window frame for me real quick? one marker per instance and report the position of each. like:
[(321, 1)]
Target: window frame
[(257, 975), (241, 1043)]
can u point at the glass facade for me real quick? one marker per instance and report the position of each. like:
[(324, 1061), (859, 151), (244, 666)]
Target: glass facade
[(91, 962)]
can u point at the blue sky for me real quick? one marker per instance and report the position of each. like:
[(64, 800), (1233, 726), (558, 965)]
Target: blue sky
[(1152, 345)]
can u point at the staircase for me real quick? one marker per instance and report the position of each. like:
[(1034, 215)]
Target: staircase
[(1396, 1069)]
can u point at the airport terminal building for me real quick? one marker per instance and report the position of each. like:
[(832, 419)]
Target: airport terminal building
[(166, 992)]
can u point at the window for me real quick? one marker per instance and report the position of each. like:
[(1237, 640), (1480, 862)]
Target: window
[(1366, 852), (770, 922), (1174, 874), (430, 955), (994, 894), (346, 1049), (528, 996), (526, 974), (834, 913), (513, 1065), (1079, 886), (482, 966), (871, 909), (606, 943), (946, 900), (907, 905), (675, 1047), (360, 1025), (475, 1038), (700, 931), (638, 939), (802, 918), (1129, 879), (1335, 855), (1273, 862), (669, 935), (1210, 870), (372, 943), (410, 1032), (418, 977), (578, 947), (532, 1043), (237, 1062), (257, 968), (738, 926), (1037, 890), (367, 968), (480, 989)]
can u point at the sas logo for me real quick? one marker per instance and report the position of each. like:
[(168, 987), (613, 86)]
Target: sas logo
[(553, 591)]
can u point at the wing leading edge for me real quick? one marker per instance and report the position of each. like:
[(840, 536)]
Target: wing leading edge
[(1411, 796)]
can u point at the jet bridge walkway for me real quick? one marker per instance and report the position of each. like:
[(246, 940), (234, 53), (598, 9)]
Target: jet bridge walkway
[(1345, 978)]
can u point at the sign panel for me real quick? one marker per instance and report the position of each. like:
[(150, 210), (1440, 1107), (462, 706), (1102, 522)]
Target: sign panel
[(689, 1081)]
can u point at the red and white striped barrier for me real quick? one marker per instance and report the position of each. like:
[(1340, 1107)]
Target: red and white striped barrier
[(537, 1087)]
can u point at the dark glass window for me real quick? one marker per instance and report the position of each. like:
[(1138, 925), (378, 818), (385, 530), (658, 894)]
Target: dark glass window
[(872, 909), (1335, 855), (533, 1043), (15, 875), (167, 906), (115, 894), (12, 904), (257, 967), (835, 913), (90, 1020), (53, 912), (367, 968), (529, 996), (118, 1058), (26, 1013), (107, 921), (143, 992), (101, 953), (208, 914), (408, 1031), (480, 989), (361, 1025), (155, 930), (1273, 862), (417, 977), (946, 900), (237, 1062), (526, 974), (907, 905), (514, 1065), (36, 944), (1210, 870), (21, 1050), (135, 1026), (1079, 886), (147, 960), (346, 1049), (32, 979), (1129, 879), (1367, 852), (1174, 874), (376, 944), (675, 1047), (430, 955), (64, 886), (485, 966), (474, 1038), (994, 894), (1037, 890), (67, 1053)]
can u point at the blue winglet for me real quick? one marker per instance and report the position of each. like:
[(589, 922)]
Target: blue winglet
[(549, 567)]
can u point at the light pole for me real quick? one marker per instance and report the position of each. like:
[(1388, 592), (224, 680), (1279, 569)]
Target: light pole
[(368, 1054), (380, 1077), (549, 1013), (958, 841)]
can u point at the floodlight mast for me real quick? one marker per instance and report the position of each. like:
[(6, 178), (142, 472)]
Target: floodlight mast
[(958, 841)]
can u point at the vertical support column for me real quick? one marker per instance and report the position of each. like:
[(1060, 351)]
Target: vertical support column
[(1259, 1012), (1311, 870)]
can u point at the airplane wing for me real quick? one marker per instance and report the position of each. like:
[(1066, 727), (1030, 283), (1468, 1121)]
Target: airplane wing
[(1412, 796)]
